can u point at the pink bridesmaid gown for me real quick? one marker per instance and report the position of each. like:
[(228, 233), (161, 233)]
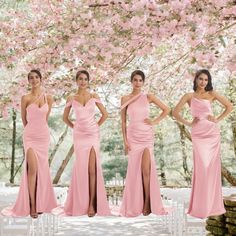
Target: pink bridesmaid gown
[(206, 196), (36, 136), (140, 136), (86, 137)]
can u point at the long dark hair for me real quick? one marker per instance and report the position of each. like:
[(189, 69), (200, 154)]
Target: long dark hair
[(137, 72), (37, 72), (209, 86), (82, 72)]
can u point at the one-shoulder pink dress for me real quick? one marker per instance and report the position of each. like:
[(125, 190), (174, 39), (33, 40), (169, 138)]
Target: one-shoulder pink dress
[(206, 196), (140, 136), (36, 136), (85, 136)]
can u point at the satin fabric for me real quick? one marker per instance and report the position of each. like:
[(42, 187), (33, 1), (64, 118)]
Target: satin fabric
[(85, 136), (36, 136), (140, 137), (206, 195)]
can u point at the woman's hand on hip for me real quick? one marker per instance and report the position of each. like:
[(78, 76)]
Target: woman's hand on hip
[(212, 118), (148, 121), (195, 121), (127, 148)]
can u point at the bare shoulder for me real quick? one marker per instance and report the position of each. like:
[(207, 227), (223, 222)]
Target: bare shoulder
[(187, 96), (26, 98), (151, 96), (125, 98), (214, 94), (70, 98)]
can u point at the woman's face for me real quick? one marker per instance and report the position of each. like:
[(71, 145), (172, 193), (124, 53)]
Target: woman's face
[(34, 80), (82, 81), (137, 82), (202, 81)]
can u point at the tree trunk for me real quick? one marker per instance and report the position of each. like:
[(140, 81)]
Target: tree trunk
[(13, 149), (63, 165), (232, 92), (234, 135), (187, 174), (228, 176), (17, 170), (60, 140), (162, 162), (226, 173)]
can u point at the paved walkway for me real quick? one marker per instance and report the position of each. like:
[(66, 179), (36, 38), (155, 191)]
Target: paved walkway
[(114, 226)]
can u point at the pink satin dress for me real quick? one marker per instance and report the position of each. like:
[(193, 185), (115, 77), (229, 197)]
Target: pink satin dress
[(85, 136), (206, 196), (140, 137), (36, 136)]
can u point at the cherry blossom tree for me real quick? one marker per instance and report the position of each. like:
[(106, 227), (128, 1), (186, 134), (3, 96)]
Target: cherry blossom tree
[(169, 40)]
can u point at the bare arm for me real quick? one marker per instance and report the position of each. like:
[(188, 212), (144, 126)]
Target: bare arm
[(165, 110), (50, 102), (176, 111), (226, 103), (103, 111), (67, 113), (123, 120), (124, 125), (23, 110)]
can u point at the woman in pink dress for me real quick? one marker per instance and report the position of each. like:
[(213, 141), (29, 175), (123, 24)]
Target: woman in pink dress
[(142, 191), (86, 193), (206, 197), (36, 193)]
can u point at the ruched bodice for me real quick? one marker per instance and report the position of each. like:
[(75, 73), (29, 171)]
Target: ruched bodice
[(37, 126), (37, 114), (200, 108), (138, 132), (85, 115), (138, 112)]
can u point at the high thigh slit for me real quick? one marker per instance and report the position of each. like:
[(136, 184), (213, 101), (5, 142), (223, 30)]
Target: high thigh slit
[(36, 136), (140, 137), (144, 177), (95, 176), (85, 137), (29, 156)]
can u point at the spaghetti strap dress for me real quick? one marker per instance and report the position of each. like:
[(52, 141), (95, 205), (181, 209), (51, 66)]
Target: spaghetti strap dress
[(86, 136), (36, 136)]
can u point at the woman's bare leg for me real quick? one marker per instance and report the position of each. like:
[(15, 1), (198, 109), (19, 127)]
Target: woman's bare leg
[(92, 182), (32, 178), (145, 166)]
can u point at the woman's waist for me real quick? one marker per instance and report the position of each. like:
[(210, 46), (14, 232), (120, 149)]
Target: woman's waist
[(86, 128), (37, 124), (85, 122), (36, 135), (36, 128), (139, 125), (204, 127), (203, 116), (145, 131), (140, 138), (137, 119)]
